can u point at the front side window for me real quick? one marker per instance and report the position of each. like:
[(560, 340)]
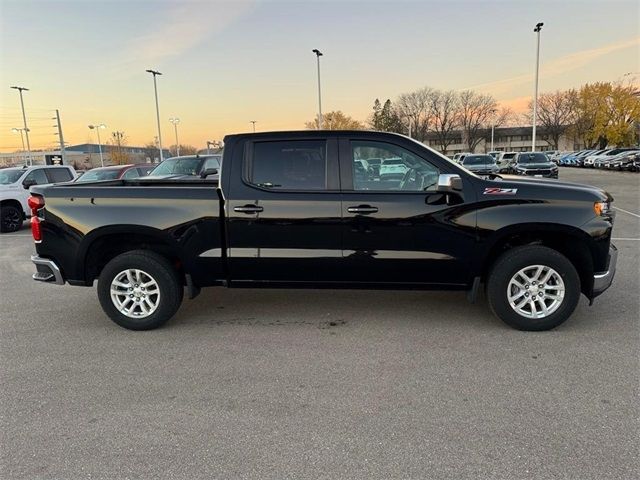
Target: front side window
[(179, 166), (212, 162), (37, 177), (380, 166), (289, 165), (131, 173)]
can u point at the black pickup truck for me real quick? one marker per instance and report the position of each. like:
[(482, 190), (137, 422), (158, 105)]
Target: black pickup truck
[(296, 209)]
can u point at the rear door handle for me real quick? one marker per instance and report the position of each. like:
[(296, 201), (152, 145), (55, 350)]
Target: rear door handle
[(364, 209), (248, 209)]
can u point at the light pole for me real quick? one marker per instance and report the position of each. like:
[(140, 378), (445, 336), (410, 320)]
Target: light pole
[(493, 126), (155, 89), (97, 128), (254, 125), (410, 125), (16, 130), (535, 91), (318, 55), (24, 120), (175, 122)]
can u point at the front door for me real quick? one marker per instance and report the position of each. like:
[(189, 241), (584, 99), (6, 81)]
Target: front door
[(397, 228), (284, 215)]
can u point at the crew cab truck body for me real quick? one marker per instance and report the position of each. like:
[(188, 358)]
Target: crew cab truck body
[(292, 209)]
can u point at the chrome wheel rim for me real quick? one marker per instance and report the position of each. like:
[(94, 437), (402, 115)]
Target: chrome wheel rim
[(536, 291), (135, 293)]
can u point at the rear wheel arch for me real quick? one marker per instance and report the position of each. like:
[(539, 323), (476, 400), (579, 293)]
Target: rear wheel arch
[(102, 246), (571, 242)]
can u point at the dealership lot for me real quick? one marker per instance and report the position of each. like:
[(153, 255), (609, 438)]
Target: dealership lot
[(307, 384)]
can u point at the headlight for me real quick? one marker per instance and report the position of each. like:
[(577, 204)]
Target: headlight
[(602, 208)]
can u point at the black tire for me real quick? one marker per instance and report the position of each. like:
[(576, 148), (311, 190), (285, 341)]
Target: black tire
[(11, 219), (169, 285), (512, 261)]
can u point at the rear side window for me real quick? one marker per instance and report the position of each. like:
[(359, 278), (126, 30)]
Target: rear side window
[(290, 165), (57, 175), (131, 173)]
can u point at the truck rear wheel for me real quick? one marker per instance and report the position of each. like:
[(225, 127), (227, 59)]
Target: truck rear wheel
[(139, 290), (533, 288)]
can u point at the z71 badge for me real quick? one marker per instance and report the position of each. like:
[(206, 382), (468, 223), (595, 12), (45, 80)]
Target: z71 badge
[(500, 191)]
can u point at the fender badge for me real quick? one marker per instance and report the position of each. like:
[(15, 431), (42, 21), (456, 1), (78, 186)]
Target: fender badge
[(500, 191)]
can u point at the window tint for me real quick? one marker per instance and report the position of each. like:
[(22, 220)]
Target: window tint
[(131, 173), (57, 175), (292, 165), (398, 169), (38, 176)]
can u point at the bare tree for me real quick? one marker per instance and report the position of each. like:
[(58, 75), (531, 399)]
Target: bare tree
[(444, 114), (413, 107), (556, 112), (475, 112)]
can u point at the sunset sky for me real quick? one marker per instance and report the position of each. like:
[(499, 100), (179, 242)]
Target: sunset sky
[(226, 63)]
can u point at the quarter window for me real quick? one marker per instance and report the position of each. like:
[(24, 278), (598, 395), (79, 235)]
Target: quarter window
[(382, 166), (291, 165)]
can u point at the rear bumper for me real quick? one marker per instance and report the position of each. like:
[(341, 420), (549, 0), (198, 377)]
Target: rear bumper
[(46, 271), (602, 280)]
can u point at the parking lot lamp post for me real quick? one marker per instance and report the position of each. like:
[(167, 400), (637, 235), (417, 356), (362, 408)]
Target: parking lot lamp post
[(155, 89), (254, 125), (24, 120), (175, 122), (535, 91), (318, 55), (493, 126), (16, 130), (97, 129)]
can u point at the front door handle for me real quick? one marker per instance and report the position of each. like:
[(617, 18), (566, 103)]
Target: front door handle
[(364, 209), (249, 209)]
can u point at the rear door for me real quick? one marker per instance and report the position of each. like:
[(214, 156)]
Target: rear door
[(283, 210), (396, 227)]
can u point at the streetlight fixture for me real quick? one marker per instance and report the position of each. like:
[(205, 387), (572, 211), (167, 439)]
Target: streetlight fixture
[(97, 128), (318, 55), (254, 125), (16, 130), (155, 89), (24, 120), (535, 92), (175, 122)]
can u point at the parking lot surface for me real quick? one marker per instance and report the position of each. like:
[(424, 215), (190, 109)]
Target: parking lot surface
[(321, 384)]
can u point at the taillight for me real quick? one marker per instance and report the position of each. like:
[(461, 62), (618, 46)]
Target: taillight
[(35, 203)]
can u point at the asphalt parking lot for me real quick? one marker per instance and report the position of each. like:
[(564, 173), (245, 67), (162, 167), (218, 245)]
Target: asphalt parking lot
[(321, 384)]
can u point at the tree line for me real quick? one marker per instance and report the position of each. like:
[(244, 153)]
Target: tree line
[(598, 114)]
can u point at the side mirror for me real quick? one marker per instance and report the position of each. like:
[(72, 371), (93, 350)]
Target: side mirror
[(449, 183), (28, 184), (209, 171)]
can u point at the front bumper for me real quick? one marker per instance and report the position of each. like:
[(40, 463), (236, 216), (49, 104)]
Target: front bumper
[(46, 271), (602, 280)]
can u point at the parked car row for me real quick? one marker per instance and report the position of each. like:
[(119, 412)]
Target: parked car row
[(622, 159), (533, 164)]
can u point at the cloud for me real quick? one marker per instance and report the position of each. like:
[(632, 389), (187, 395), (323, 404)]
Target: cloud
[(180, 27), (555, 67)]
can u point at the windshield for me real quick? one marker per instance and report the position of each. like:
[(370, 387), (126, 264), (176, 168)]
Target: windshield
[(478, 160), (179, 166), (97, 175), (532, 158), (10, 176)]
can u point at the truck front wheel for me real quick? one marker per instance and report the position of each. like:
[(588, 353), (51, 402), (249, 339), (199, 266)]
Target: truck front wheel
[(139, 290), (533, 288)]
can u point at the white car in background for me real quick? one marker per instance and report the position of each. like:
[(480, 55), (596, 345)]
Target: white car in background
[(505, 160), (14, 190), (392, 169)]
